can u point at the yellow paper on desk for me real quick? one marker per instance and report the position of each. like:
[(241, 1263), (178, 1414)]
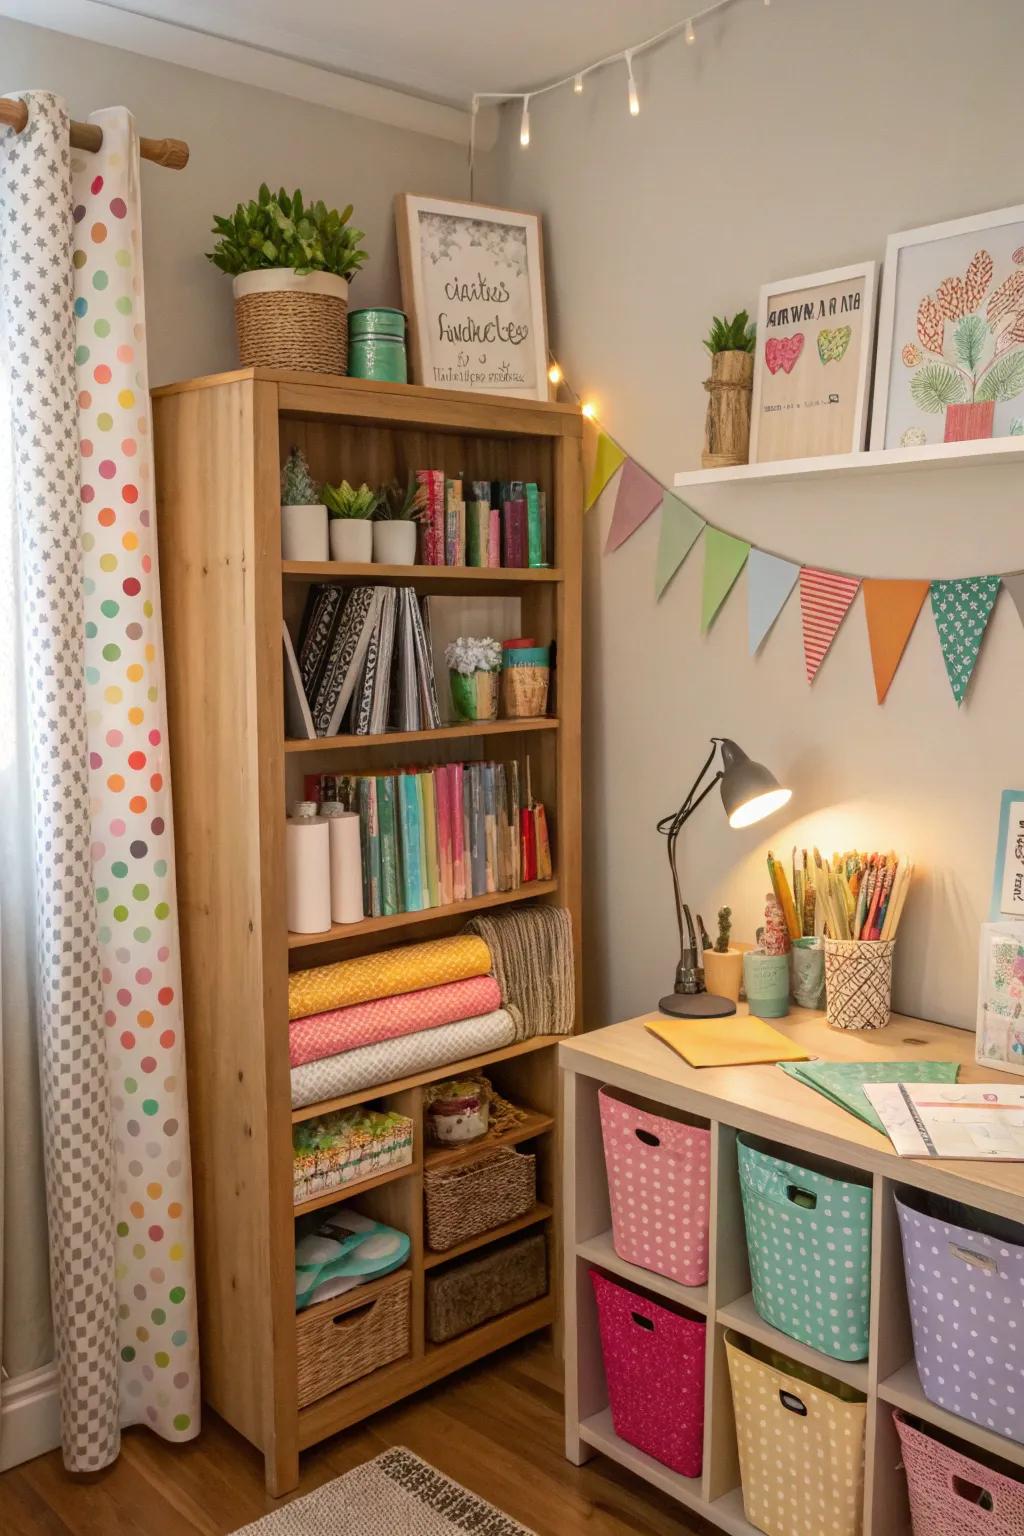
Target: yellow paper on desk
[(733, 1042)]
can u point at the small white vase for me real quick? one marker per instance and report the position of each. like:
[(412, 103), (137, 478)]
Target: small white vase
[(304, 532), (394, 543), (351, 539)]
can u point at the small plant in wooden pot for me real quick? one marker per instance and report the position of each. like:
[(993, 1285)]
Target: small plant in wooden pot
[(303, 513), (723, 965), (727, 424), (291, 263), (396, 521), (350, 509)]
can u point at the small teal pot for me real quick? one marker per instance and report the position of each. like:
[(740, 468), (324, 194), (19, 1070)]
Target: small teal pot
[(766, 979), (376, 345)]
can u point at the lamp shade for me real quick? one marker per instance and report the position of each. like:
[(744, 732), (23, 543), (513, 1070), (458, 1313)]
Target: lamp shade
[(750, 791)]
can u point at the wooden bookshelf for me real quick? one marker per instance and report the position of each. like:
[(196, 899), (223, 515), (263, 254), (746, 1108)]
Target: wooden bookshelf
[(219, 443)]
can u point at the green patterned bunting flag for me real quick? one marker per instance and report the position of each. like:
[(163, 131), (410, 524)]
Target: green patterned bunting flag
[(609, 457), (680, 529), (724, 558), (962, 610)]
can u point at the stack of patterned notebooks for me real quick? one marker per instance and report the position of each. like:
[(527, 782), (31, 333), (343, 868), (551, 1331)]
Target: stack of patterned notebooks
[(362, 664)]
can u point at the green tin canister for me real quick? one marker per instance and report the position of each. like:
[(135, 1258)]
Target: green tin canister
[(376, 345)]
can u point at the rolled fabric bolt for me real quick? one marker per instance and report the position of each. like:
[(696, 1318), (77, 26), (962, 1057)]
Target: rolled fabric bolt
[(308, 871), (346, 864)]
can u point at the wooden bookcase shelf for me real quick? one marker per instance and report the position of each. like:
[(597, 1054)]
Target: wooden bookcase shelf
[(219, 443)]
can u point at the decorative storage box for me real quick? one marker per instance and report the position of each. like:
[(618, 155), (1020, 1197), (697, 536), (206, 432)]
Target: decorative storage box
[(338, 1342), (801, 1444), (346, 1147), (465, 1294), (952, 1494), (654, 1366), (965, 1284), (472, 1197), (658, 1185), (1000, 1028), (809, 1245)]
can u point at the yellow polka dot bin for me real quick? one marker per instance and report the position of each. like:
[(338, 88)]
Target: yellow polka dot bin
[(800, 1436)]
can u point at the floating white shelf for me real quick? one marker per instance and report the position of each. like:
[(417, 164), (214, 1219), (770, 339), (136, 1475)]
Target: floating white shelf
[(994, 450)]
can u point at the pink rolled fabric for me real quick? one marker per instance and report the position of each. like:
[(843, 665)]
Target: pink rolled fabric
[(387, 1018)]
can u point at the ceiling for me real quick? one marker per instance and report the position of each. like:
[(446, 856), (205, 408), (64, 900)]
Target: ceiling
[(443, 50)]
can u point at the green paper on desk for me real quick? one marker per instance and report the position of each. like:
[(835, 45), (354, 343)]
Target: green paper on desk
[(843, 1081)]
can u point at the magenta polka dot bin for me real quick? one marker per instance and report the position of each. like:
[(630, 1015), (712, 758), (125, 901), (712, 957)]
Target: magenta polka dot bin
[(952, 1494), (965, 1285), (654, 1367), (658, 1187)]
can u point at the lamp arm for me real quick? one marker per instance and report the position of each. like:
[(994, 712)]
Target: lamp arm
[(670, 827)]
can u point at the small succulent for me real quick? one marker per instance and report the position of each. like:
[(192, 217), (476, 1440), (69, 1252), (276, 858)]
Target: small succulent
[(724, 930), (402, 504), (298, 488), (345, 500), (468, 655), (735, 335), (279, 230)]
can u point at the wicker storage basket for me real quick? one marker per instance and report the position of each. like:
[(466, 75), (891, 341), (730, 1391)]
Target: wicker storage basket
[(339, 1341), (465, 1294), (858, 982), (286, 321), (472, 1197)]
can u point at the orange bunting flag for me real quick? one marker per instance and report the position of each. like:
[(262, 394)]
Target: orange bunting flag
[(891, 609), (824, 600)]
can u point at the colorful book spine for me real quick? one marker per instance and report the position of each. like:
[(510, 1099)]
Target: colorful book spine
[(478, 522), (442, 801), (534, 541), (432, 525), (490, 828), (455, 790), (430, 839), (373, 848), (494, 538), (477, 831), (503, 877), (513, 824), (422, 847), (542, 843), (513, 524), (545, 557), (454, 524), (409, 842), (390, 862), (528, 840)]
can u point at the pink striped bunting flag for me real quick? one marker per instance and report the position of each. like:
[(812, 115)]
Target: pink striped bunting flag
[(824, 600)]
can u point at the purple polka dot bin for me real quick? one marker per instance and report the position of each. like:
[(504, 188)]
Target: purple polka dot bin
[(658, 1188), (966, 1292), (944, 1487), (654, 1367)]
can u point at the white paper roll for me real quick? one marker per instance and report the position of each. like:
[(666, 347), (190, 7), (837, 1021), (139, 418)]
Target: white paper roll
[(307, 850), (304, 532), (346, 868)]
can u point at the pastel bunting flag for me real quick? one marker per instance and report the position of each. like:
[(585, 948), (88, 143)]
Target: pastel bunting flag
[(1015, 586), (824, 600), (891, 609), (770, 580), (680, 530), (638, 495), (961, 610), (724, 558), (606, 461)]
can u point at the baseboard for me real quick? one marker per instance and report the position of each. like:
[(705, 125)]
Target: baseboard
[(29, 1417)]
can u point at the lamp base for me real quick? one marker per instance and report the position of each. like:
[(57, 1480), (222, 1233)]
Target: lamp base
[(698, 1005)]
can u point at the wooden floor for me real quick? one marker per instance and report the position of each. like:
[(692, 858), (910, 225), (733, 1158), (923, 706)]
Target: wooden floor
[(496, 1428)]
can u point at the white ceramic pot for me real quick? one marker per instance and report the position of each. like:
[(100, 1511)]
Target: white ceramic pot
[(304, 533), (394, 543), (351, 539)]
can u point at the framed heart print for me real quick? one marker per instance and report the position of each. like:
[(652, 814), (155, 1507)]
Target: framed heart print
[(813, 354)]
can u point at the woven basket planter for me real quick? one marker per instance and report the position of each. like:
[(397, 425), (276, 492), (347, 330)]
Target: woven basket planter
[(337, 1342), (858, 982), (472, 1197), (287, 321), (464, 1295)]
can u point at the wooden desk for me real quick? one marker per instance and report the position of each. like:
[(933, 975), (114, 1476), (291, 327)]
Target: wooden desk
[(767, 1102)]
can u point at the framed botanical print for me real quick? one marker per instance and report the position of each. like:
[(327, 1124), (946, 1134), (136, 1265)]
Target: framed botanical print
[(951, 333), (473, 289), (813, 353)]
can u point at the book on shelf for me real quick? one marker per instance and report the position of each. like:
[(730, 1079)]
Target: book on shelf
[(482, 523)]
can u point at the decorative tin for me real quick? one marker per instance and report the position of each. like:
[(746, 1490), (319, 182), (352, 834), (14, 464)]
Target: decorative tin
[(376, 345)]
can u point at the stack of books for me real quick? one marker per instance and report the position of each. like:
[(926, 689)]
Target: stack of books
[(483, 522), (438, 835), (362, 664)]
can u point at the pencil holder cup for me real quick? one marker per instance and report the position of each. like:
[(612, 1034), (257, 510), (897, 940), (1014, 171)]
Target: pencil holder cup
[(808, 962), (766, 979), (858, 982)]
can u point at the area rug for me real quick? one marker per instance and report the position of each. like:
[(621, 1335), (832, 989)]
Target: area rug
[(396, 1494)]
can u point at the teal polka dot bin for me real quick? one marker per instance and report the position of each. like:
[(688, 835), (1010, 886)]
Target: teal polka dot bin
[(809, 1247)]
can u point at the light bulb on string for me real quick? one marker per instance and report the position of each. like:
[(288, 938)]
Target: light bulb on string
[(524, 126), (589, 409), (634, 99), (555, 374), (691, 36), (577, 85)]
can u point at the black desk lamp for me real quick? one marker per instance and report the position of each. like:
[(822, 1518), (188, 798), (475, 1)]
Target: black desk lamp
[(749, 793)]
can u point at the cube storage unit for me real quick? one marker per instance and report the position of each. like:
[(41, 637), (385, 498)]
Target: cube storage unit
[(857, 1484), (952, 1494)]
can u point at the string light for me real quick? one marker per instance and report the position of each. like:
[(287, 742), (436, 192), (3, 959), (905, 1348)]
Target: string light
[(555, 374), (691, 36), (524, 126), (577, 83), (589, 409), (634, 100)]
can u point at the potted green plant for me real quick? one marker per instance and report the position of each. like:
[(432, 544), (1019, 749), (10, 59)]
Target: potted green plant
[(291, 263), (350, 509), (303, 513), (727, 424), (395, 522), (723, 965)]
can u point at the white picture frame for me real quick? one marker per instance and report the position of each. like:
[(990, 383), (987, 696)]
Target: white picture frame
[(473, 290), (900, 286), (832, 313)]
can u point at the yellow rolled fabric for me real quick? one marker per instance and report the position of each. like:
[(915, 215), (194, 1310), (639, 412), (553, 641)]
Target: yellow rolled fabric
[(386, 973)]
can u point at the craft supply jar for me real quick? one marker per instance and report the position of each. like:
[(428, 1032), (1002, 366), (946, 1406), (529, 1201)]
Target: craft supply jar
[(459, 1113), (474, 694), (858, 982), (376, 345), (766, 979), (525, 676), (808, 966)]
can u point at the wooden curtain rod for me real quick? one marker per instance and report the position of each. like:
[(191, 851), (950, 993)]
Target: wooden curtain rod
[(173, 153)]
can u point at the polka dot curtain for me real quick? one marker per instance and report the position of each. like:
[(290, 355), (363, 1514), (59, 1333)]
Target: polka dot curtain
[(132, 841)]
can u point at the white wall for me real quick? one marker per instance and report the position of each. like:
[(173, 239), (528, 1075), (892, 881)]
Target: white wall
[(239, 136), (786, 140)]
